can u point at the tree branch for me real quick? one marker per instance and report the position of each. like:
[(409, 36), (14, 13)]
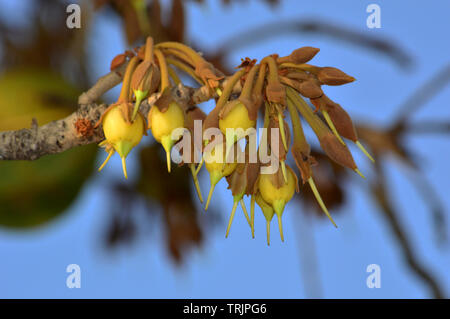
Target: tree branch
[(78, 128), (54, 137)]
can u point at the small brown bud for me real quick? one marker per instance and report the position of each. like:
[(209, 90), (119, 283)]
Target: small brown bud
[(303, 55), (333, 76), (310, 89), (146, 77), (336, 151), (341, 120)]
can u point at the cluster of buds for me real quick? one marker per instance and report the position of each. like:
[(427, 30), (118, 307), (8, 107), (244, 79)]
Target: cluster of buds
[(275, 88)]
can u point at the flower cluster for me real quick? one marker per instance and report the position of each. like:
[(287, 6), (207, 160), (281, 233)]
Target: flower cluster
[(275, 88)]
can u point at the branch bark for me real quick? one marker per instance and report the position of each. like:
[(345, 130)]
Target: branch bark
[(78, 128)]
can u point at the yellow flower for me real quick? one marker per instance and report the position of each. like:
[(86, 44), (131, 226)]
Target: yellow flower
[(120, 135), (163, 123), (276, 192), (217, 168), (235, 117)]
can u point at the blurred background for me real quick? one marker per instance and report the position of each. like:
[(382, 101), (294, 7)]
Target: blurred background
[(148, 236)]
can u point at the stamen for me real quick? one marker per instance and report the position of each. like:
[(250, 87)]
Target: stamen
[(319, 200), (140, 95), (124, 166), (282, 132), (211, 190), (111, 152), (283, 170), (364, 151), (359, 173), (244, 209), (199, 165), (231, 217), (169, 162), (280, 226), (268, 232), (331, 125), (167, 143), (197, 186)]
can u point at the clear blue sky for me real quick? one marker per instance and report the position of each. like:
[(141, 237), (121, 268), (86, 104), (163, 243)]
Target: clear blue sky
[(33, 263)]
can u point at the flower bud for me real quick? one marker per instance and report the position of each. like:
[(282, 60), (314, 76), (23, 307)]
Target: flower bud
[(333, 76), (302, 55)]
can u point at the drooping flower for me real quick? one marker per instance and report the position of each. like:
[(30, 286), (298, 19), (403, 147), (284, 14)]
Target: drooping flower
[(164, 117), (121, 135)]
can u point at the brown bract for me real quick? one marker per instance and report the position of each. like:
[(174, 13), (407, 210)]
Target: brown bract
[(303, 162), (164, 100), (237, 181), (212, 119), (252, 105), (230, 105), (123, 108), (191, 115), (206, 71), (276, 93), (277, 179), (253, 170)]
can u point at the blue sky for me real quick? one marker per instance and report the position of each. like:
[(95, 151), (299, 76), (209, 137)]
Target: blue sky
[(33, 264)]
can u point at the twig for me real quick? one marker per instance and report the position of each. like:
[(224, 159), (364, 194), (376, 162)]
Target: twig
[(77, 129)]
